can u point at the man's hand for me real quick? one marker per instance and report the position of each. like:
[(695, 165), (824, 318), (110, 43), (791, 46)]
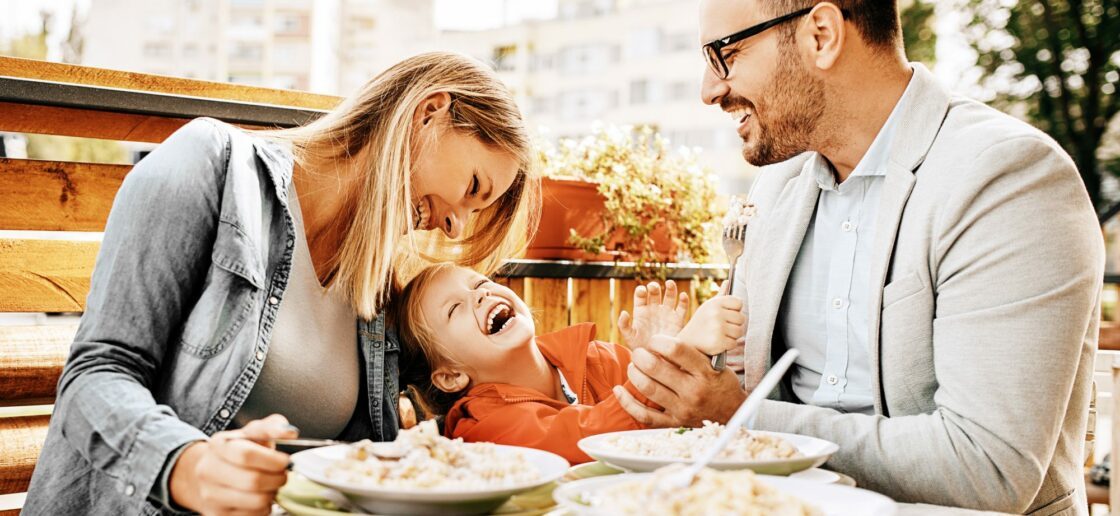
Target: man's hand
[(717, 326), (679, 378), (654, 314)]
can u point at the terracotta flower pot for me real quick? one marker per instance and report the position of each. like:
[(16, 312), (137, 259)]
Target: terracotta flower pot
[(568, 204)]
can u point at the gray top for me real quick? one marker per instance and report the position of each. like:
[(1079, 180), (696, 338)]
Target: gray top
[(178, 322), (311, 373)]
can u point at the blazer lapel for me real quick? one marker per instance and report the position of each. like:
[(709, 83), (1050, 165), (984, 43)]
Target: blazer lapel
[(771, 260), (917, 128)]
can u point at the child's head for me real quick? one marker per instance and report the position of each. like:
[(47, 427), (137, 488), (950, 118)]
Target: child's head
[(458, 328)]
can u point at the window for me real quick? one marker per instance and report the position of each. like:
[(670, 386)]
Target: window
[(639, 92), (247, 51), (681, 90), (291, 24), (157, 50)]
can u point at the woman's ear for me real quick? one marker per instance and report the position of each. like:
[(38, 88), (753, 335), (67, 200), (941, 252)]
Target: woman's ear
[(431, 108), (448, 379)]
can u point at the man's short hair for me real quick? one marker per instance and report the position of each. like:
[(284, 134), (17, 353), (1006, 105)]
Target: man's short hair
[(876, 20)]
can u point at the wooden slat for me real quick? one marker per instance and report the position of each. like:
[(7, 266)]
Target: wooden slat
[(31, 359), (57, 196), (623, 300), (1109, 336), (591, 302), (45, 275), (21, 439), (90, 76), (517, 285), (24, 118), (548, 298)]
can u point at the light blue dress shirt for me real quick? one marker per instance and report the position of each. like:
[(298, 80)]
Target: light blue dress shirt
[(827, 301)]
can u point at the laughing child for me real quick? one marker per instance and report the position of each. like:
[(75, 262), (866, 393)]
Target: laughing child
[(469, 347)]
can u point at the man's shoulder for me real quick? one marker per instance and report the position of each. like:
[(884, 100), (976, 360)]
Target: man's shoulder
[(974, 133), (770, 180)]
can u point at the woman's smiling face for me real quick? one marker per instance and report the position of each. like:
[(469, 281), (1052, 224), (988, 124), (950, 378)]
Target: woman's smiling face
[(455, 173), (477, 323)]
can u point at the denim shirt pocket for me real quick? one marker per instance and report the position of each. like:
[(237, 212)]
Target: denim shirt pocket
[(229, 296)]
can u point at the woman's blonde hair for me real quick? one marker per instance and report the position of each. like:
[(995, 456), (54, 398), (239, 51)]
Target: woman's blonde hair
[(379, 121), (421, 353)]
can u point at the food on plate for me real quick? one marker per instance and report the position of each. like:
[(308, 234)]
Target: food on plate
[(685, 443), (738, 492), (420, 458)]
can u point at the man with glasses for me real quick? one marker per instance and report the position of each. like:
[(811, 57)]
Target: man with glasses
[(937, 263)]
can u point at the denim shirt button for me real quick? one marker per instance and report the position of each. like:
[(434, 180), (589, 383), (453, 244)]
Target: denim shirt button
[(129, 490), (223, 413), (272, 300), (260, 355)]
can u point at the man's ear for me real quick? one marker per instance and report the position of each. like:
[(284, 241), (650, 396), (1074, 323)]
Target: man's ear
[(826, 35), (448, 379), (431, 108)]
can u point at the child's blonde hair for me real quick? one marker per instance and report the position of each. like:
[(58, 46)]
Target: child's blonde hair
[(379, 119), (421, 353)]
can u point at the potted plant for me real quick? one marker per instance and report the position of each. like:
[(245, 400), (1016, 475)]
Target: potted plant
[(621, 194)]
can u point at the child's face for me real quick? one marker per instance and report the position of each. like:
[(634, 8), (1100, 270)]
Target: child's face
[(478, 323)]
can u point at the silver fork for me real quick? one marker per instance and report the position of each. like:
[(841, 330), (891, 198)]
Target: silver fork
[(734, 233)]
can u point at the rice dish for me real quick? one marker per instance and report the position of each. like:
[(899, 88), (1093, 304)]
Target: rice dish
[(712, 492), (421, 458), (686, 443)]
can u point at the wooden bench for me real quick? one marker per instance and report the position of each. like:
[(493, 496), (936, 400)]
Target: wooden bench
[(52, 275)]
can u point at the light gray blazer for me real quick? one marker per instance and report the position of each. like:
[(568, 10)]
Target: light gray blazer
[(986, 279)]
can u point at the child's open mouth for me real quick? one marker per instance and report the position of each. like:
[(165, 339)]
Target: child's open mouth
[(500, 318)]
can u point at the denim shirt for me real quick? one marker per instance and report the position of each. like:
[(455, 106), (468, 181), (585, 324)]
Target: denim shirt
[(178, 321)]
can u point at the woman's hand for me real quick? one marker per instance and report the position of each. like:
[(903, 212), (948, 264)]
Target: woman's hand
[(235, 472), (717, 326), (654, 314)]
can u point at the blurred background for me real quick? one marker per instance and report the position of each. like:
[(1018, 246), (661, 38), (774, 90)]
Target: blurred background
[(576, 64), (572, 62)]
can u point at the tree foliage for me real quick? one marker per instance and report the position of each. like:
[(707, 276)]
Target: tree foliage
[(918, 33), (61, 148), (1054, 63)]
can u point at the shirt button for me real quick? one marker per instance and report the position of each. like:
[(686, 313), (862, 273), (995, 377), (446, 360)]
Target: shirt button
[(832, 379), (837, 303), (847, 226), (223, 413), (260, 355), (129, 490), (273, 300)]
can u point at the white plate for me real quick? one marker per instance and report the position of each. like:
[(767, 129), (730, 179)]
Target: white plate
[(395, 500), (814, 453), (834, 500)]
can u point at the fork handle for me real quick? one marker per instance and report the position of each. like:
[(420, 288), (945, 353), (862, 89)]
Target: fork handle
[(719, 362)]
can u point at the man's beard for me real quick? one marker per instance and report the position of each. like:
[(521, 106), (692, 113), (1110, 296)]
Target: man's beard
[(794, 107)]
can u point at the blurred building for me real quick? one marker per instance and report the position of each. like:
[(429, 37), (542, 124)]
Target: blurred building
[(327, 46), (620, 61)]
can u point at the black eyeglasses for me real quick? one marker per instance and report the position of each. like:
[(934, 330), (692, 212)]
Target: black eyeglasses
[(713, 51)]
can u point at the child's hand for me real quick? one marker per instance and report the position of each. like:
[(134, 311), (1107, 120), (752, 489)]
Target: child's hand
[(654, 314), (717, 326)]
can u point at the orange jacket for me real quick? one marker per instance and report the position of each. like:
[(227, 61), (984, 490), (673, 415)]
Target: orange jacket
[(510, 414)]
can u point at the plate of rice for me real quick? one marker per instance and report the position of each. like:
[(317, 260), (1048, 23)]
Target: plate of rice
[(422, 472), (769, 453), (739, 492)]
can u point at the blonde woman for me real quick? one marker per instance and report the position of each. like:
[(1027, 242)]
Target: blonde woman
[(237, 293)]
